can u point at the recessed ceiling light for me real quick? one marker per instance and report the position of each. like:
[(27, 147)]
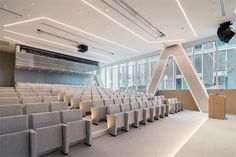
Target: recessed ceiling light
[(235, 11), (32, 3), (5, 6)]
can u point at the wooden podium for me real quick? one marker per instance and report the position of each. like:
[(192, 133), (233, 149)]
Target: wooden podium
[(216, 106)]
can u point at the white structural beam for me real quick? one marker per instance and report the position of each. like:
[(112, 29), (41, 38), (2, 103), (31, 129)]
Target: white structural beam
[(189, 73)]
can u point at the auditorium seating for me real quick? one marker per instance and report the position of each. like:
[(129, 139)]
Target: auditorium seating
[(9, 100), (58, 106), (11, 110), (78, 129), (16, 140), (31, 108), (51, 134)]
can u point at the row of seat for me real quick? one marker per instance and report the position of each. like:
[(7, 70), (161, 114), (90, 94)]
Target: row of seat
[(24, 100), (122, 116), (42, 133), (31, 108)]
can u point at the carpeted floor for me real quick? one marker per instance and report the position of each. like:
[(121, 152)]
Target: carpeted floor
[(162, 138)]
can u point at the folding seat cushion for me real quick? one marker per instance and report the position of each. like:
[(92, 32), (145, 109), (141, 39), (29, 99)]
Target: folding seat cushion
[(180, 104), (152, 110), (129, 115), (159, 110), (50, 98), (78, 129), (9, 100), (10, 110), (8, 94), (138, 114), (16, 140), (139, 99), (98, 111), (133, 99), (31, 100), (164, 108), (172, 106), (51, 135), (115, 119), (58, 106), (108, 102), (31, 108), (146, 111), (126, 100), (44, 94), (86, 104), (118, 101)]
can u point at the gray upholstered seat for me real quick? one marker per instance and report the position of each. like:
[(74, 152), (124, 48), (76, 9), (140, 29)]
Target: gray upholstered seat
[(31, 108), (86, 104), (58, 106), (31, 100), (129, 115), (98, 111), (173, 107), (16, 140), (51, 135), (139, 99), (126, 100), (10, 110), (138, 114), (79, 129), (9, 100), (133, 99), (50, 99), (108, 102), (118, 101)]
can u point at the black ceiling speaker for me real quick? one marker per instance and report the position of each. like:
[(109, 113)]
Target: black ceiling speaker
[(82, 48), (224, 32)]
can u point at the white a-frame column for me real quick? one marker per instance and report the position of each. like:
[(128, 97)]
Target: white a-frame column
[(189, 73)]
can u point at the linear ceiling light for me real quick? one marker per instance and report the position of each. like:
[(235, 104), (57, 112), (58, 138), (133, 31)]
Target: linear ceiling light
[(74, 28), (115, 21), (186, 17), (71, 47)]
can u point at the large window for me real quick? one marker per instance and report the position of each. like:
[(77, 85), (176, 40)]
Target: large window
[(214, 62)]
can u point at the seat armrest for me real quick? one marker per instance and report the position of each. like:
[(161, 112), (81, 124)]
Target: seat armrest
[(33, 143), (66, 142)]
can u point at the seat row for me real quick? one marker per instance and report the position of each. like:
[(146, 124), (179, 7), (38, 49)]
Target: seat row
[(42, 133), (23, 100), (31, 108)]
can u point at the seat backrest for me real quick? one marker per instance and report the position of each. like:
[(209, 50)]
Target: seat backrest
[(142, 104), (134, 106), (108, 102), (45, 119), (154, 102), (145, 98), (97, 97), (27, 94), (125, 107), (58, 106), (133, 99), (8, 94), (85, 98), (9, 100), (159, 102), (111, 109), (118, 101), (31, 108), (154, 98), (126, 100), (10, 110), (139, 99), (71, 115), (50, 98), (44, 94), (13, 124), (97, 103), (31, 100), (105, 96), (149, 103)]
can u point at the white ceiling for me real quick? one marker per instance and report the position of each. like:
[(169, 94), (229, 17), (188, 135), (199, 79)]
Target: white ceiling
[(104, 28)]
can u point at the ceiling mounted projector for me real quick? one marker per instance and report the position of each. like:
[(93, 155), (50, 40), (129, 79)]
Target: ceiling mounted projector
[(82, 48), (225, 32)]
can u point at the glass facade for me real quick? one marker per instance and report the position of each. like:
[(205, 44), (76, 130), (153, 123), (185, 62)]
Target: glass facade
[(213, 61)]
